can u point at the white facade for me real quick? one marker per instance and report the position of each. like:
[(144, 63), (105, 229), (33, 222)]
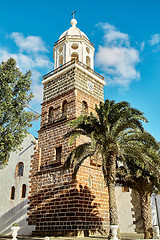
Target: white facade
[(125, 211), (155, 205), (15, 210), (73, 44)]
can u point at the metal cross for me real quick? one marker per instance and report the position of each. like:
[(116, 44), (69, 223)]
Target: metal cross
[(73, 14)]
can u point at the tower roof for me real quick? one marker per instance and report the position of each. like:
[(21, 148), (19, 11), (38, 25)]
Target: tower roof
[(73, 31)]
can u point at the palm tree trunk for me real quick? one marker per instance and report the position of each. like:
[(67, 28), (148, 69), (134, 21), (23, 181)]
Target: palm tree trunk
[(111, 180), (146, 215), (112, 204)]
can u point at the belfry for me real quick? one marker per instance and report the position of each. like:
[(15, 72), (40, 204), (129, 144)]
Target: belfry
[(73, 44), (59, 206)]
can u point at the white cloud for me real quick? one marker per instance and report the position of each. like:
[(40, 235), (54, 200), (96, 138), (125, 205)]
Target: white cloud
[(4, 55), (142, 45), (37, 88), (155, 42), (113, 36), (27, 62), (43, 61), (30, 43), (117, 59), (24, 62), (30, 57), (155, 39)]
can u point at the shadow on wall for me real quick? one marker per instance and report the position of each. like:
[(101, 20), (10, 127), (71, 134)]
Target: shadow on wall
[(16, 214), (65, 212), (137, 211), (24, 150)]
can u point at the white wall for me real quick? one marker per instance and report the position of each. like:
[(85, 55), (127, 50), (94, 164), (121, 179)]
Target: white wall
[(155, 210), (12, 211), (124, 208)]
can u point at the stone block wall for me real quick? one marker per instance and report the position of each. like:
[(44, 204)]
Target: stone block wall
[(62, 207), (73, 79), (59, 206)]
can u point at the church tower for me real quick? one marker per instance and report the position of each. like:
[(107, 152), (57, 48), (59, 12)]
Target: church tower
[(59, 206)]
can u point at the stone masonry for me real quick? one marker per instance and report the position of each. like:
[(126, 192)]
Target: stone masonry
[(59, 206)]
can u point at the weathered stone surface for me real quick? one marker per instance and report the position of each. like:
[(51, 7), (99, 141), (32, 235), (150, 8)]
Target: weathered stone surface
[(73, 79), (59, 205)]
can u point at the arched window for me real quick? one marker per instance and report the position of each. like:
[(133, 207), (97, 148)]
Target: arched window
[(19, 169), (87, 50), (61, 60), (88, 61), (12, 192), (74, 56), (64, 109), (51, 115), (60, 49), (23, 190), (84, 107)]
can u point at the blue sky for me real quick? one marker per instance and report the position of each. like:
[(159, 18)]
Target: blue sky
[(126, 35)]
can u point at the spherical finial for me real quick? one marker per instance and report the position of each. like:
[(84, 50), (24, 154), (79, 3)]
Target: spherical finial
[(73, 22)]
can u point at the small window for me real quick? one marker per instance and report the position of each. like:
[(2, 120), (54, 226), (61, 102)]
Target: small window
[(84, 107), (58, 154), (61, 60), (64, 109), (87, 49), (51, 115), (125, 189), (23, 190), (13, 193), (88, 62), (74, 56), (60, 49), (74, 46), (19, 169)]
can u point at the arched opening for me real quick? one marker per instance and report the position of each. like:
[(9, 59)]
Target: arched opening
[(19, 169), (12, 193), (64, 109), (60, 49), (84, 107), (88, 61), (51, 115), (87, 49), (60, 60), (74, 56), (23, 191)]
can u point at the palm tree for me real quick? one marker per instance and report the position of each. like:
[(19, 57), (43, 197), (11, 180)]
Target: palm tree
[(105, 132), (144, 179)]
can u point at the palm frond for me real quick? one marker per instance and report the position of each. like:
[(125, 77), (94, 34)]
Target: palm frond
[(75, 154), (80, 161)]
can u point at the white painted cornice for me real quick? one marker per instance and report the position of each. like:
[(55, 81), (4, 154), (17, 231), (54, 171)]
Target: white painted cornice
[(67, 68)]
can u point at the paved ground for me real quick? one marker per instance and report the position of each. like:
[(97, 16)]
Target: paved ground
[(123, 236)]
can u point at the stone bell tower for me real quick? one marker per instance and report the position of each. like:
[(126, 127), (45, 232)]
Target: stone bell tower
[(59, 206)]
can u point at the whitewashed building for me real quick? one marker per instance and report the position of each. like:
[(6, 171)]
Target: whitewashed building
[(14, 189)]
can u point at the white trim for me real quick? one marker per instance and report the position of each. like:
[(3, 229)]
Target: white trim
[(91, 74), (55, 75)]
